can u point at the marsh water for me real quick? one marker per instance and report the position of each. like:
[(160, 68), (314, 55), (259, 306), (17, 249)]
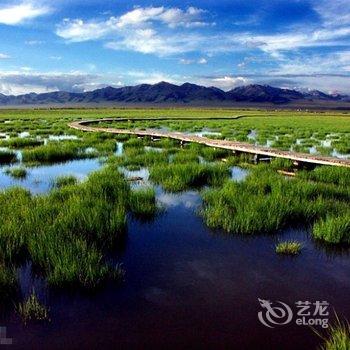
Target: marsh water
[(186, 286)]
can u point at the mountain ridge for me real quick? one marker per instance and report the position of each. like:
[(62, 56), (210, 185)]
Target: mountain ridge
[(164, 92)]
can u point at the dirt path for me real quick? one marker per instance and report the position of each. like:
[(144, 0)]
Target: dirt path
[(85, 125)]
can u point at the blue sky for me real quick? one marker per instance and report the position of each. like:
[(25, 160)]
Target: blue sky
[(78, 45)]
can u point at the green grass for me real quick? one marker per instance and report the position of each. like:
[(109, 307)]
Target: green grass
[(138, 157), (143, 203), (17, 173), (67, 232), (63, 181), (284, 129), (15, 206), (333, 228), (267, 202), (211, 154), (19, 142), (8, 282), (282, 164), (337, 337), (328, 174), (55, 152), (179, 177), (288, 248), (133, 167), (32, 310)]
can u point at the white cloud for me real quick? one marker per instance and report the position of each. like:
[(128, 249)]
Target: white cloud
[(314, 64), (186, 61), (4, 56), (136, 30), (27, 69), (77, 30), (173, 17), (21, 82), (149, 41), (141, 77), (190, 61), (16, 14), (273, 44), (223, 82), (326, 83), (335, 12), (26, 81), (139, 16), (55, 58), (34, 42)]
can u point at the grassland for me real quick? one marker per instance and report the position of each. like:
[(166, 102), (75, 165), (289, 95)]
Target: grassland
[(68, 232), (267, 202), (319, 134)]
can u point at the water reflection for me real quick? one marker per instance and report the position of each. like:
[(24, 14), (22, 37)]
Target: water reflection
[(238, 174), (39, 179)]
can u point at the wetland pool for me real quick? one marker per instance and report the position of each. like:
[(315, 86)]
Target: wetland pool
[(186, 286)]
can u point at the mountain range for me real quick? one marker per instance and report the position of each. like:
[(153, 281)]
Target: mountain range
[(166, 93)]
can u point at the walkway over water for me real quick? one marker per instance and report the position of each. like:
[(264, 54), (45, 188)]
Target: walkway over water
[(238, 147)]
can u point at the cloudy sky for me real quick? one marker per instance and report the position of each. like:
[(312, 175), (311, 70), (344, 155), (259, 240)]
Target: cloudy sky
[(80, 45)]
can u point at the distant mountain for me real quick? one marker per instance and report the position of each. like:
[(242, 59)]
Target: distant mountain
[(263, 93), (173, 94)]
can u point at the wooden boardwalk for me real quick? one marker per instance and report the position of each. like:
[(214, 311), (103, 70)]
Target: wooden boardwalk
[(238, 147)]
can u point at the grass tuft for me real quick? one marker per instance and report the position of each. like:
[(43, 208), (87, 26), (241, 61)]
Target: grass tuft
[(32, 310), (179, 177), (19, 142), (63, 181), (337, 337), (333, 228), (143, 203), (288, 248), (17, 173)]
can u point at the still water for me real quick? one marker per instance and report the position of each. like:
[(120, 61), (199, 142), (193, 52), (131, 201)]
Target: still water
[(186, 286)]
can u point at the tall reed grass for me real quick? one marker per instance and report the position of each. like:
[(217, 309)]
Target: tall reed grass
[(334, 228), (17, 173), (19, 142), (337, 336), (178, 177), (266, 202), (143, 203), (66, 232), (54, 152), (328, 174)]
